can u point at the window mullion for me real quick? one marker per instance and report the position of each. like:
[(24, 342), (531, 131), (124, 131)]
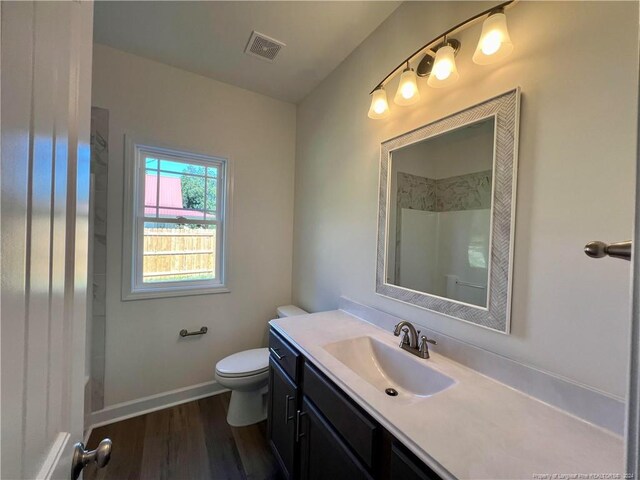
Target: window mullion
[(183, 221), (206, 184), (221, 194), (158, 189)]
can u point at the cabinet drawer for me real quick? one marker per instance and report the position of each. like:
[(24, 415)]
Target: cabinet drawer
[(284, 355), (358, 431)]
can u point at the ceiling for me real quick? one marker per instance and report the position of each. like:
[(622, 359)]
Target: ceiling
[(209, 38)]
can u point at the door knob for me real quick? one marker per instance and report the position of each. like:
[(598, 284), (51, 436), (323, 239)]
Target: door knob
[(616, 250), (82, 457)]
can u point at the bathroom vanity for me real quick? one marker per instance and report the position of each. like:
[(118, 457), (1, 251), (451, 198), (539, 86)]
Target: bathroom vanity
[(317, 431), (330, 415)]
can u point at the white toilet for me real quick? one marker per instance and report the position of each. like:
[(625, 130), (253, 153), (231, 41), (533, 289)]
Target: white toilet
[(246, 374)]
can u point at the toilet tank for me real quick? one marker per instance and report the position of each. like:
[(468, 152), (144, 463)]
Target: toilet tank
[(289, 311)]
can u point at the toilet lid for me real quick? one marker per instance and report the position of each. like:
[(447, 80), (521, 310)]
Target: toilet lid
[(244, 363)]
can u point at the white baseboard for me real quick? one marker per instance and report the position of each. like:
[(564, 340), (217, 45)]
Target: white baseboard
[(140, 406)]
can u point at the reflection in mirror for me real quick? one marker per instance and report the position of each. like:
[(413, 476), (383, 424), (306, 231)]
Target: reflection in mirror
[(439, 230)]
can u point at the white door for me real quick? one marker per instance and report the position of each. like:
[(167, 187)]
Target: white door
[(46, 89)]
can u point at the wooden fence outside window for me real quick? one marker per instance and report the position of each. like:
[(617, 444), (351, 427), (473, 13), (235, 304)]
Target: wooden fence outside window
[(179, 254)]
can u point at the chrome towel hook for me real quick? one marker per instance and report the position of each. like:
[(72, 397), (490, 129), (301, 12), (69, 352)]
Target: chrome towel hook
[(598, 249)]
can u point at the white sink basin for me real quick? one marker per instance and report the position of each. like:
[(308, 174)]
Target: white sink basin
[(386, 367)]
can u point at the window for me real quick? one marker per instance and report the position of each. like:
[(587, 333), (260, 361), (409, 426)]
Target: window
[(175, 234)]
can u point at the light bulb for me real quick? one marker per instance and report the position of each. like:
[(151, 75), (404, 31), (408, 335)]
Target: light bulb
[(444, 71), (491, 43), (495, 43), (379, 105), (408, 92)]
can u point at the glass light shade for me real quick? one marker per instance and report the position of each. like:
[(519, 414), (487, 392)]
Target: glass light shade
[(495, 43), (408, 92), (444, 71), (379, 105)]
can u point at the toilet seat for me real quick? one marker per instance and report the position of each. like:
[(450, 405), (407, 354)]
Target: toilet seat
[(244, 364)]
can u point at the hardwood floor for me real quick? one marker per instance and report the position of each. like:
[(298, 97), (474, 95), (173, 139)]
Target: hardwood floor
[(189, 441)]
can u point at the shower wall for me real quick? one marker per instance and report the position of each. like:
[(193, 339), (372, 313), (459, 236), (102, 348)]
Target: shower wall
[(442, 234), (98, 253)]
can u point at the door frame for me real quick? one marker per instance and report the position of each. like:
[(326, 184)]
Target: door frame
[(632, 437)]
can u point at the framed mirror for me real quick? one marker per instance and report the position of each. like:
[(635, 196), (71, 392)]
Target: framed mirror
[(446, 213)]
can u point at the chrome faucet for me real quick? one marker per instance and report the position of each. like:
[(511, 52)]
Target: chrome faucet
[(409, 340)]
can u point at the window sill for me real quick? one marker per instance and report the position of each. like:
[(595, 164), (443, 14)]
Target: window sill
[(148, 293)]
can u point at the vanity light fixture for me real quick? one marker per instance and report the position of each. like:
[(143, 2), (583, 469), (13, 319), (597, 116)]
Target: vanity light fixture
[(379, 105), (438, 59), (444, 71), (495, 43), (407, 93)]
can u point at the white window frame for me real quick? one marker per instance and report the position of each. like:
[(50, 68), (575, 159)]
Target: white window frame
[(133, 287)]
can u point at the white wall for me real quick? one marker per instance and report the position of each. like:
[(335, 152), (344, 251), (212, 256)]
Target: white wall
[(460, 152), (144, 354), (577, 66)]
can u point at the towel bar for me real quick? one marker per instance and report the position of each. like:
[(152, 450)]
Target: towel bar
[(185, 333), (472, 285)]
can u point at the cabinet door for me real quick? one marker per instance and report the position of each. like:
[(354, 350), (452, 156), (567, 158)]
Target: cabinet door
[(323, 455), (404, 465), (281, 418)]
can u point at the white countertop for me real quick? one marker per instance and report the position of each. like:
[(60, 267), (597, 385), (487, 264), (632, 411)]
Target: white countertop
[(477, 429)]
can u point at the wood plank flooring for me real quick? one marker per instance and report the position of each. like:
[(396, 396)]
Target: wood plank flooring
[(188, 441)]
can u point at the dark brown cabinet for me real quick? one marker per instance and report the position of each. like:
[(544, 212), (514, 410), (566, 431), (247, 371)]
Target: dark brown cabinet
[(358, 431), (283, 395), (284, 355), (318, 432), (404, 465), (323, 455)]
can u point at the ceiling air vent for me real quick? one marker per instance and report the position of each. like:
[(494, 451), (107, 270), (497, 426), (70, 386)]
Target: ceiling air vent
[(260, 45)]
